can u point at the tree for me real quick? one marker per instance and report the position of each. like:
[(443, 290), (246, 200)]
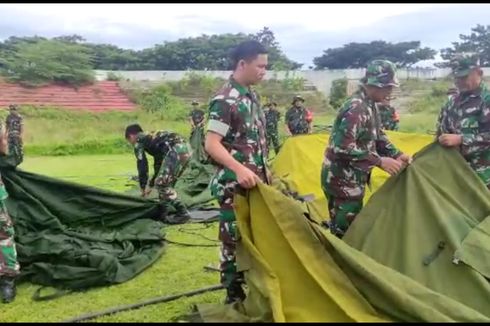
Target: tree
[(478, 41), (48, 61), (277, 59), (358, 55)]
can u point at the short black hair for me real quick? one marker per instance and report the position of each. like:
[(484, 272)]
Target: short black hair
[(248, 51), (132, 130)]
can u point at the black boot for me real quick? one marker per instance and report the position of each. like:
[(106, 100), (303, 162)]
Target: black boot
[(7, 289), (234, 293), (181, 213)]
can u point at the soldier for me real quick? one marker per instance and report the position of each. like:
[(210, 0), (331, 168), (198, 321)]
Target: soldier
[(464, 121), (196, 117), (170, 154), (389, 117), (15, 132), (236, 140), (296, 118), (9, 266), (272, 117), (357, 144)]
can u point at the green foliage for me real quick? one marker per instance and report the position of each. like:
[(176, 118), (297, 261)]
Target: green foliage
[(478, 42), (338, 93), (159, 100), (48, 61), (358, 55), (293, 83), (111, 76)]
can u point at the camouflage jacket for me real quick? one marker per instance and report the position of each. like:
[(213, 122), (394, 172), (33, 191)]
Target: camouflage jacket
[(272, 117), (157, 144), (296, 119), (14, 123), (388, 116), (356, 146), (197, 116), (235, 113), (468, 114)]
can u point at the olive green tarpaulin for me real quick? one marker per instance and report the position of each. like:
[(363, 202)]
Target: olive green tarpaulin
[(297, 271), (74, 236)]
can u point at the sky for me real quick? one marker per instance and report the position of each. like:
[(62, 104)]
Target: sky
[(303, 30)]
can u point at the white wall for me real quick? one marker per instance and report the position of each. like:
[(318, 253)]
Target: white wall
[(321, 79)]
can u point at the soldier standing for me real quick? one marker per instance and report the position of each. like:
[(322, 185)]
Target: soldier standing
[(296, 118), (390, 119), (171, 154), (15, 128), (236, 140), (272, 117), (9, 266), (357, 144), (196, 117), (464, 121)]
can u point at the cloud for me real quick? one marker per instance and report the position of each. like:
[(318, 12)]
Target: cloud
[(303, 30)]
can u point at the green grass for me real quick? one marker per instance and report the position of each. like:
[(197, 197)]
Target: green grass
[(180, 269)]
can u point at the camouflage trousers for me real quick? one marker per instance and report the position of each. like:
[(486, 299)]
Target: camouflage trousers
[(16, 147), (9, 265), (342, 212), (172, 167), (273, 140)]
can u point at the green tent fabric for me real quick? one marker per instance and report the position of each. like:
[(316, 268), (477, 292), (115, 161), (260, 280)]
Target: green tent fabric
[(297, 271), (73, 236)]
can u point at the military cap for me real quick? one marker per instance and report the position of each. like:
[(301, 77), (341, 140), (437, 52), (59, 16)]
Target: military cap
[(298, 97), (12, 107), (380, 73), (462, 63), (194, 102)]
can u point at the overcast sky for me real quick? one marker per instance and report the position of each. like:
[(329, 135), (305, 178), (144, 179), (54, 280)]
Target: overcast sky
[(303, 30)]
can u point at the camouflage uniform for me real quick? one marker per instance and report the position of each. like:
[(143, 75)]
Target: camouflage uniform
[(170, 153), (355, 147), (468, 114), (296, 119), (235, 114), (388, 116), (14, 126), (272, 117), (9, 265)]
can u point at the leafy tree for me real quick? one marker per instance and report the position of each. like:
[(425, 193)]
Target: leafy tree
[(48, 61), (478, 41), (358, 55)]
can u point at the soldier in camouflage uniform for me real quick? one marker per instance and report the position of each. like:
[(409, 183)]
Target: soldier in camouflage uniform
[(15, 130), (388, 116), (272, 117), (357, 144), (297, 118), (9, 266), (171, 154), (464, 121), (236, 141), (196, 117)]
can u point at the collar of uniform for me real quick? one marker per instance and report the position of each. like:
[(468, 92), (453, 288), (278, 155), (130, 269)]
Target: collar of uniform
[(240, 88), (364, 97)]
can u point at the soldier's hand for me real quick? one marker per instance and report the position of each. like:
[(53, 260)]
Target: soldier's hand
[(148, 192), (390, 165), (450, 140), (405, 159), (246, 178), (143, 192)]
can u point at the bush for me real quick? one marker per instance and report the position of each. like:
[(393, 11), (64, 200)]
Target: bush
[(338, 93), (111, 76), (160, 100)]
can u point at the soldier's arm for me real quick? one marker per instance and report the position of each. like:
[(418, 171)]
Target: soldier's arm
[(345, 144), (142, 165), (441, 119), (4, 148), (385, 147), (219, 124), (286, 120), (157, 164), (480, 142)]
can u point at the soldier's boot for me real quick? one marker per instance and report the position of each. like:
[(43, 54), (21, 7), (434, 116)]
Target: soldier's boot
[(234, 293), (181, 213), (7, 289)]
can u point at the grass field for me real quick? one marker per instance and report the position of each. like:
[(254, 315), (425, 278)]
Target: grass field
[(180, 269)]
